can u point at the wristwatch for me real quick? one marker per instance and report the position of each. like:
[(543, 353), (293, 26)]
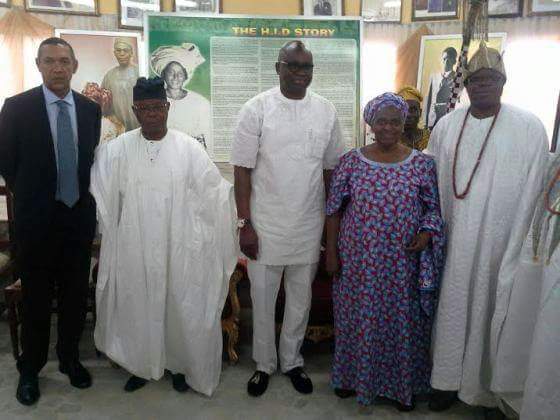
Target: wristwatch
[(241, 223)]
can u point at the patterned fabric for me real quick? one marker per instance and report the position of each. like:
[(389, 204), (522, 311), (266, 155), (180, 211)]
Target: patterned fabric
[(382, 101), (384, 299), (420, 144), (410, 93), (102, 96)]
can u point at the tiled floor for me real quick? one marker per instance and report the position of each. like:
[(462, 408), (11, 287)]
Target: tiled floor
[(107, 400)]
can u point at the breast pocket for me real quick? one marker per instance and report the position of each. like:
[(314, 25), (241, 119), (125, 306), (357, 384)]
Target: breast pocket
[(312, 147)]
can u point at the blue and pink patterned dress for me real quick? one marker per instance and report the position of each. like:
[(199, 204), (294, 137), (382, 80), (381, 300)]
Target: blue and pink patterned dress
[(385, 296)]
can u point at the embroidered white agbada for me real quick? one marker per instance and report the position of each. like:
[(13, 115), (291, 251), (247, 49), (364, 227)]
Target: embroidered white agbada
[(495, 215), (168, 250), (529, 339)]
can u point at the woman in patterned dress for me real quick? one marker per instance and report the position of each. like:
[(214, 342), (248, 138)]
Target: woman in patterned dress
[(385, 248)]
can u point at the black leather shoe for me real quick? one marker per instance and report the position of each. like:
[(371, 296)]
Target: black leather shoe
[(442, 400), (300, 380), (134, 383), (257, 384), (28, 390), (179, 382), (78, 374), (344, 393)]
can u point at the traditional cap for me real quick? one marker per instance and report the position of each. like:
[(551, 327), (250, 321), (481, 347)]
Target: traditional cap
[(409, 93), (485, 58), (187, 55), (383, 101), (122, 40), (102, 96), (152, 88)]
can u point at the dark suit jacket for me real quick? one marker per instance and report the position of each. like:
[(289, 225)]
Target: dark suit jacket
[(28, 162)]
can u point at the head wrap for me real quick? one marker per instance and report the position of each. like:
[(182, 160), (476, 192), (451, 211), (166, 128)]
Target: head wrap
[(152, 88), (102, 96), (485, 58), (383, 101), (409, 93), (187, 55), (122, 40)]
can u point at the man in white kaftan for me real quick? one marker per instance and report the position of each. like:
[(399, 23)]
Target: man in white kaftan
[(120, 80), (286, 142), (167, 252), (486, 224), (527, 369)]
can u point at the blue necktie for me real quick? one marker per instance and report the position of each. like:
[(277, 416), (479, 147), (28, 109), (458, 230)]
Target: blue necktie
[(68, 190)]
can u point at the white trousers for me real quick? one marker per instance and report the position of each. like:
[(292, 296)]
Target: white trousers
[(265, 283)]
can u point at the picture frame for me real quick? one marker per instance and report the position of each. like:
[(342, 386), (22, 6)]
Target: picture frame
[(383, 11), (544, 8), (5, 3), (322, 7), (197, 6), (437, 63), (424, 10), (67, 7), (113, 61), (131, 12), (505, 8)]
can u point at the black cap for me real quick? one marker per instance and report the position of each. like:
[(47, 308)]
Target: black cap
[(152, 88)]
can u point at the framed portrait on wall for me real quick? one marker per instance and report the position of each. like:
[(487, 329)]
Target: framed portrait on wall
[(74, 7), (435, 9), (197, 6), (131, 12), (439, 56), (322, 7), (381, 10), (5, 3), (544, 7), (505, 8), (110, 63)]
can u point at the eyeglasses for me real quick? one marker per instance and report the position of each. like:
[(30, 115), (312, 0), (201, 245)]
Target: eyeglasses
[(481, 80), (147, 108), (294, 66)]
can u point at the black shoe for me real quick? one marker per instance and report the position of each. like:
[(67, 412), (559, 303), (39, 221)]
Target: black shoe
[(179, 383), (442, 400), (403, 407), (78, 374), (258, 383), (300, 380), (28, 389), (344, 393), (493, 414), (134, 383)]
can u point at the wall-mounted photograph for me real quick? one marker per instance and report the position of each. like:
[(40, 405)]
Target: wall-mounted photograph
[(74, 7), (505, 8), (435, 10), (544, 7), (5, 3), (197, 6), (322, 7), (381, 10), (131, 12)]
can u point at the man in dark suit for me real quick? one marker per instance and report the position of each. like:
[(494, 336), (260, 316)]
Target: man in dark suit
[(47, 140)]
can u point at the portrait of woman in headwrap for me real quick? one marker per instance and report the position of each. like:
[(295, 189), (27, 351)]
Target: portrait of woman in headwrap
[(189, 111), (111, 126)]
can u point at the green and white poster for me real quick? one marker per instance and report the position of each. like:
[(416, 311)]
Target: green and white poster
[(212, 65)]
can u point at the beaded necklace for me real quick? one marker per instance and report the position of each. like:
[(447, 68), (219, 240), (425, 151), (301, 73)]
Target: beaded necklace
[(455, 158)]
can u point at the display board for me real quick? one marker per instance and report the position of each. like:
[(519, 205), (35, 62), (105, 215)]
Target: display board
[(212, 65)]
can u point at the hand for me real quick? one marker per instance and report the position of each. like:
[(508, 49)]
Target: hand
[(332, 265), (419, 242), (249, 241)]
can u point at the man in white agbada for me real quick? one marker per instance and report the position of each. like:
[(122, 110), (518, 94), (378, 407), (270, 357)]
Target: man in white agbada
[(120, 80), (167, 252), (286, 143), (528, 361), (487, 208), (189, 111)]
